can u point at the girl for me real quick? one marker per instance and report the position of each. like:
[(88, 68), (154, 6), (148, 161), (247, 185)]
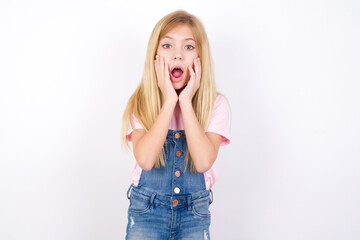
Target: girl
[(176, 122)]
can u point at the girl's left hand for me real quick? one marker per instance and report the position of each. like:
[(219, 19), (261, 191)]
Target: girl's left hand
[(193, 85)]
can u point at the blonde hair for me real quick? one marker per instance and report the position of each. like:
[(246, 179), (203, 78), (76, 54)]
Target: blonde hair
[(146, 101)]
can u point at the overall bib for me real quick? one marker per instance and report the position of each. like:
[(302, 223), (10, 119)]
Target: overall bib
[(170, 202)]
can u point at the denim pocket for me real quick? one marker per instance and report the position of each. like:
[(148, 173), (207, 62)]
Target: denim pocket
[(139, 203), (201, 208)]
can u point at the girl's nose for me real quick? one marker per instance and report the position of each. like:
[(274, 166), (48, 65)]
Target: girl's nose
[(177, 56)]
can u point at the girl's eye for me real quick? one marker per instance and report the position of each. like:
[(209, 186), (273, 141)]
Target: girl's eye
[(189, 47), (166, 45)]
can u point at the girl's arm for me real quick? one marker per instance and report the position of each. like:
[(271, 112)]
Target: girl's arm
[(147, 145), (203, 147)]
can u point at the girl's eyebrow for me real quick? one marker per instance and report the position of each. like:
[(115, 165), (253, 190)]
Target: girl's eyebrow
[(184, 39)]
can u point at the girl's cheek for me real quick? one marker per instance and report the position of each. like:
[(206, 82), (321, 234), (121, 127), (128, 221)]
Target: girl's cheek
[(192, 65)]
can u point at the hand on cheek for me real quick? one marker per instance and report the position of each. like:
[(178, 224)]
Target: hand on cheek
[(163, 80), (193, 85)]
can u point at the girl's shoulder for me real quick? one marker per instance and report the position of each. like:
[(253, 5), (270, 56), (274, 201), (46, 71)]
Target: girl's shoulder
[(221, 102), (220, 119)]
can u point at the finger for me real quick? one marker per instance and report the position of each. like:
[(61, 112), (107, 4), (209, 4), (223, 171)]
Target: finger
[(164, 68), (156, 61), (196, 65), (161, 63), (197, 68), (158, 71), (156, 64), (192, 73), (167, 73)]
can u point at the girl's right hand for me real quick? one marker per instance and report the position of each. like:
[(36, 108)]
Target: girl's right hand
[(163, 79)]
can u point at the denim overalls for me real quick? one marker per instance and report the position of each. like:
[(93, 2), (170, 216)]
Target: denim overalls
[(170, 202)]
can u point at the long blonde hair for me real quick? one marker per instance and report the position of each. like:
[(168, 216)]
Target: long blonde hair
[(146, 101)]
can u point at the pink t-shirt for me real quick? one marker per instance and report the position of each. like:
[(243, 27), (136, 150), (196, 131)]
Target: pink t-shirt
[(219, 123)]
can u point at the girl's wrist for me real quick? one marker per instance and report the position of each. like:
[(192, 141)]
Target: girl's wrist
[(170, 102), (185, 103)]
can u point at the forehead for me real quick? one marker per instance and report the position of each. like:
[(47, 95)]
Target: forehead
[(180, 32)]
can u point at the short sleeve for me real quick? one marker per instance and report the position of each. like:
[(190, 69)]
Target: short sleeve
[(137, 125), (220, 119)]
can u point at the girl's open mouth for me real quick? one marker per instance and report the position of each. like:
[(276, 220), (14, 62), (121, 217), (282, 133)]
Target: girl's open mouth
[(176, 74)]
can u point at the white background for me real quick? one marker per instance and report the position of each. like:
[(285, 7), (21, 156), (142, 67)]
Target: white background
[(290, 70)]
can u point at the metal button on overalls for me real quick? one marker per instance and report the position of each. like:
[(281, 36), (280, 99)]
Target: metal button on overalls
[(177, 135)]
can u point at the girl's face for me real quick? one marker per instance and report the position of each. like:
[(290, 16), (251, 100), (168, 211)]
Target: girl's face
[(178, 48)]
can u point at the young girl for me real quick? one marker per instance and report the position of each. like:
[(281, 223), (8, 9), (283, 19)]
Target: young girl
[(176, 122)]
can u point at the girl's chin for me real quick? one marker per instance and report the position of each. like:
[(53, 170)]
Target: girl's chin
[(178, 85)]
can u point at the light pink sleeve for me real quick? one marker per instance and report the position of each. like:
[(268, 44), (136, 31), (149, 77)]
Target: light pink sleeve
[(220, 119), (210, 178), (137, 125), (136, 171)]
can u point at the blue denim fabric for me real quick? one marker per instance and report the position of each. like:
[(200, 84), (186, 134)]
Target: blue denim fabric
[(153, 214)]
